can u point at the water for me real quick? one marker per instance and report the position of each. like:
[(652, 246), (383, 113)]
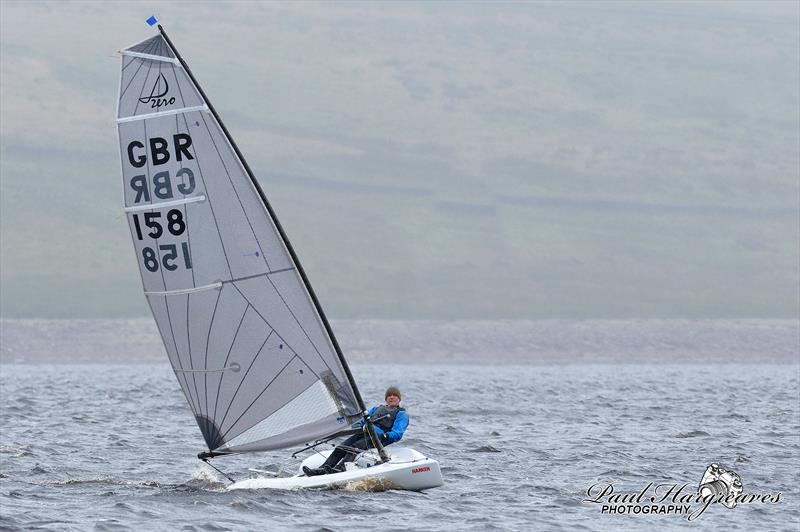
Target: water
[(109, 446)]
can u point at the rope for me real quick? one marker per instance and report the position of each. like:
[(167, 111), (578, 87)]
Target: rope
[(218, 470)]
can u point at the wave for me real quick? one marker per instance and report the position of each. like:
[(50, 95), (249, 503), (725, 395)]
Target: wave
[(23, 450), (108, 481), (486, 449), (203, 479), (692, 434)]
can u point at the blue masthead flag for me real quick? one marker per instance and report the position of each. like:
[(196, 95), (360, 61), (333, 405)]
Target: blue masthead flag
[(151, 21)]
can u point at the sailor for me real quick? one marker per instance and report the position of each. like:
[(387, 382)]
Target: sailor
[(390, 421)]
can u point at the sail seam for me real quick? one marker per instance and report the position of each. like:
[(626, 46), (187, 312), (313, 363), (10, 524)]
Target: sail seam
[(248, 277), (281, 270), (134, 118), (224, 364), (133, 78), (129, 63), (178, 351), (271, 327), (301, 392), (210, 203), (316, 375), (185, 389), (151, 42), (178, 355), (291, 312), (259, 396), (208, 340), (144, 84), (233, 397), (236, 192), (310, 341), (163, 341), (152, 47), (189, 344), (185, 211)]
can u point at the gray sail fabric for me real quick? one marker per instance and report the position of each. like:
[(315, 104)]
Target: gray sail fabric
[(249, 349)]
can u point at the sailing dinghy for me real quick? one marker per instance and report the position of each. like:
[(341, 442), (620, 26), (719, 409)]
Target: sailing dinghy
[(248, 341)]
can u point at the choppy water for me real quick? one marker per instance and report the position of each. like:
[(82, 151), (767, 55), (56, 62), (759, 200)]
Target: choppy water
[(111, 447)]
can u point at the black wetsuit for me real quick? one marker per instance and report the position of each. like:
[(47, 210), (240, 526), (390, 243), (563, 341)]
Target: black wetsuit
[(390, 425)]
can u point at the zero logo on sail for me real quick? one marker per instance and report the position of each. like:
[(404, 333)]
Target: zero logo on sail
[(157, 95)]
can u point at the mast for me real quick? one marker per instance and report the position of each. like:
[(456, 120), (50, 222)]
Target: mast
[(367, 423)]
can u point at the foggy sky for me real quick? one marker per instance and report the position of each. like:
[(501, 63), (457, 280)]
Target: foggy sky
[(434, 160)]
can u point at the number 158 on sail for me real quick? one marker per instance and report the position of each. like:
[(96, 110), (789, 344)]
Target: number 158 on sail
[(168, 253)]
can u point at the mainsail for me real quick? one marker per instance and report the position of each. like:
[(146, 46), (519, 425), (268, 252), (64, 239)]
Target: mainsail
[(245, 335)]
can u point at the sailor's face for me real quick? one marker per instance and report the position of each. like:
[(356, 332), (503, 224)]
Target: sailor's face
[(392, 400)]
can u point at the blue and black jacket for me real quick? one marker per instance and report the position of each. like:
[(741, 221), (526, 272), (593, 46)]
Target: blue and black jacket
[(390, 429)]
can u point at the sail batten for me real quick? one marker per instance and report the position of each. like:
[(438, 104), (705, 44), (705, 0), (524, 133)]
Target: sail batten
[(214, 286), (163, 113), (152, 57), (248, 343), (163, 204)]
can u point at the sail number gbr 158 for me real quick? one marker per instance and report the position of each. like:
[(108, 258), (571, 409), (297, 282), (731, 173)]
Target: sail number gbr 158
[(159, 151), (176, 226)]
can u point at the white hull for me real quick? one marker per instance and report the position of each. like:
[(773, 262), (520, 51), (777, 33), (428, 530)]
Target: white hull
[(406, 470)]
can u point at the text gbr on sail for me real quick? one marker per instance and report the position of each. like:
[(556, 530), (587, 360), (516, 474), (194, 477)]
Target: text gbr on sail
[(160, 152)]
